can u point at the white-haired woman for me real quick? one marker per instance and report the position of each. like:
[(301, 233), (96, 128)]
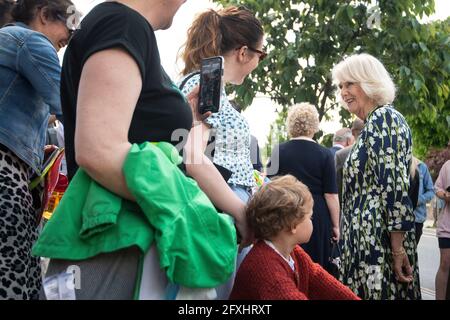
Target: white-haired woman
[(313, 165), (379, 259)]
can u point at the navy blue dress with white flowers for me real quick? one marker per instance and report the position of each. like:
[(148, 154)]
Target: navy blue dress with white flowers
[(375, 203)]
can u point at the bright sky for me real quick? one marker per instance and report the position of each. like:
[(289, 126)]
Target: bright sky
[(262, 112)]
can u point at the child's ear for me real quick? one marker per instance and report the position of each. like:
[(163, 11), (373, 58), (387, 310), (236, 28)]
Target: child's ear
[(294, 229)]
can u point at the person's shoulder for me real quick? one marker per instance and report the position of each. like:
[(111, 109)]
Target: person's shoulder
[(37, 43), (343, 152), (324, 151), (17, 29), (387, 113), (260, 257), (421, 166), (288, 146), (300, 252), (188, 82), (116, 10), (446, 165), (118, 17), (302, 257), (29, 36)]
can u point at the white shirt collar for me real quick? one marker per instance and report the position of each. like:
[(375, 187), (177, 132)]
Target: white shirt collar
[(340, 146), (291, 261)]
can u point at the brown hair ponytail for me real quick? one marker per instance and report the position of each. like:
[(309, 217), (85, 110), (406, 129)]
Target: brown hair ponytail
[(215, 33), (204, 38)]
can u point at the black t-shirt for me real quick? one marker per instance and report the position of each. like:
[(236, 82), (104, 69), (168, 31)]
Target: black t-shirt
[(161, 108)]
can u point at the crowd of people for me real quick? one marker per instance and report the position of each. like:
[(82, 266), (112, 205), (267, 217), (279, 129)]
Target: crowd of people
[(141, 220)]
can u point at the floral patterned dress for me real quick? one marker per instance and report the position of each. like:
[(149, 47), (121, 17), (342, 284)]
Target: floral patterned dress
[(375, 203)]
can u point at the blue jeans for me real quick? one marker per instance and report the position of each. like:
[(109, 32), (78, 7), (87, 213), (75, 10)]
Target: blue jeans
[(243, 192)]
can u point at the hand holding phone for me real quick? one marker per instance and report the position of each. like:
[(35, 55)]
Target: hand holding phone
[(193, 99), (210, 85)]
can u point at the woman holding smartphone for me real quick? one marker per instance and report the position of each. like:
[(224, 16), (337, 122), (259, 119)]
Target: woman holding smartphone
[(236, 35)]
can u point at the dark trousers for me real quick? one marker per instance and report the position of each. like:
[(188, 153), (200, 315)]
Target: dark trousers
[(419, 228)]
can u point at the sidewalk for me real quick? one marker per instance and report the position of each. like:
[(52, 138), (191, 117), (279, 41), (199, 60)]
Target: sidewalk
[(428, 227), (428, 253)]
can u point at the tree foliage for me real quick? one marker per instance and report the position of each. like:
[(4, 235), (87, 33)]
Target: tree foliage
[(436, 159), (305, 39)]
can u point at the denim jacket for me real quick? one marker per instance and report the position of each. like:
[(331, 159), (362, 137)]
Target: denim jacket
[(426, 193), (29, 91)]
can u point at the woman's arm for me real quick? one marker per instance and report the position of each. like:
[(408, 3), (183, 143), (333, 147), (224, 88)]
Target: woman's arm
[(428, 188), (440, 186), (331, 193), (199, 167), (106, 102), (332, 200)]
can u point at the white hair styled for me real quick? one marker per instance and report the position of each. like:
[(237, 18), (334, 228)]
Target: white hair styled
[(369, 73)]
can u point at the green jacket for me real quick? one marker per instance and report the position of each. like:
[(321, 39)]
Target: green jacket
[(196, 244)]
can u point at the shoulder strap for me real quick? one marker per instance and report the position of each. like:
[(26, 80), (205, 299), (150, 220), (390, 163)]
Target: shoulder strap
[(181, 86)]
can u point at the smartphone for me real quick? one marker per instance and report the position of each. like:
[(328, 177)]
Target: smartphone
[(210, 84)]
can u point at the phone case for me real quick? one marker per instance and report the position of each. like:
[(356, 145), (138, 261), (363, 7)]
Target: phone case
[(210, 84)]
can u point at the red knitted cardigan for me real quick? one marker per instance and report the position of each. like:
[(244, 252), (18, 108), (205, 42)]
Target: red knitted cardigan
[(265, 275)]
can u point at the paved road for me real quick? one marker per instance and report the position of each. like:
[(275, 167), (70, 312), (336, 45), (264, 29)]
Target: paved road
[(428, 252)]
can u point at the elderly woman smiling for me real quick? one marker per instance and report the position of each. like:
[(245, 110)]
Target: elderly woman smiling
[(379, 259), (313, 165)]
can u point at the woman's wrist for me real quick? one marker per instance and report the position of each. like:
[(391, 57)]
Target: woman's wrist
[(399, 252), (239, 211)]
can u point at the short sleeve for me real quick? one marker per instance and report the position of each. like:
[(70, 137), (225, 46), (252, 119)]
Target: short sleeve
[(189, 85), (214, 119), (443, 180), (125, 31)]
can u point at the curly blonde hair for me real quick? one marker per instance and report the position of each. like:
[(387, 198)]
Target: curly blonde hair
[(277, 206), (302, 120)]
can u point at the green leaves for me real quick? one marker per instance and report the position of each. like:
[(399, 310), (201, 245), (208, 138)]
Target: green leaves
[(305, 39)]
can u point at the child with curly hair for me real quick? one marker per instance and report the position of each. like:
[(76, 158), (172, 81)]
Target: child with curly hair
[(277, 268)]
